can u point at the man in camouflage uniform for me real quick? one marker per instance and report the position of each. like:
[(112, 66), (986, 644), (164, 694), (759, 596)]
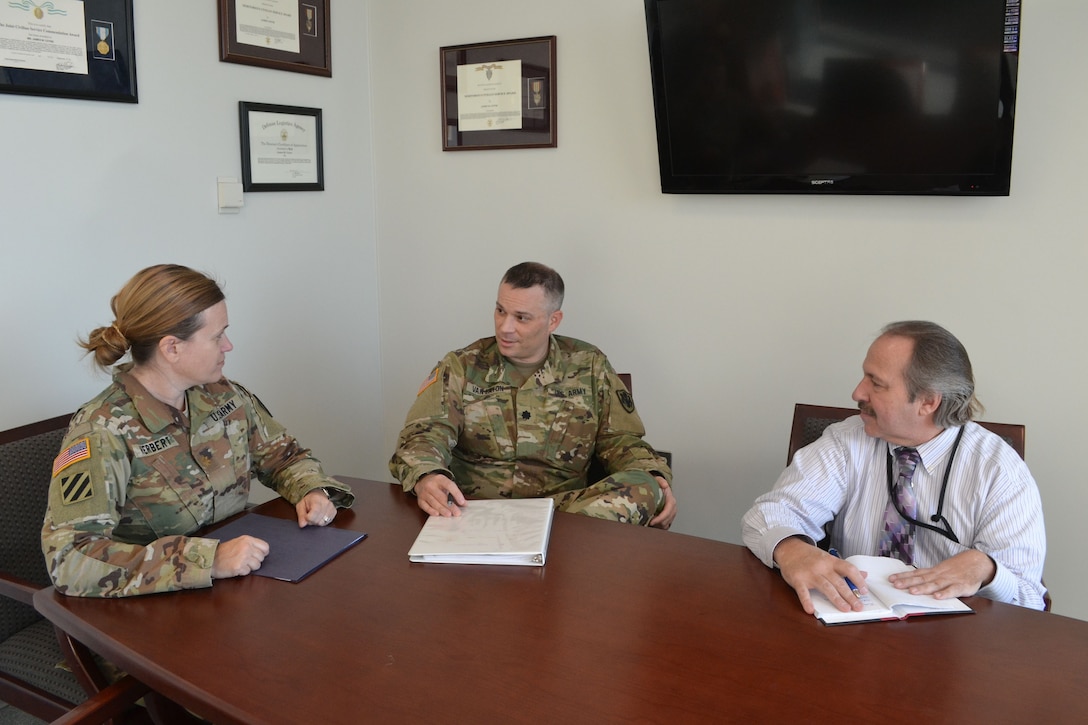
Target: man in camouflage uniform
[(523, 414), (136, 478)]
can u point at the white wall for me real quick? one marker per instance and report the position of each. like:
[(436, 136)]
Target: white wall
[(728, 309), (91, 192)]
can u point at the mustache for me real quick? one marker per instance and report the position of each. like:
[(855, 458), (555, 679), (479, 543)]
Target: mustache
[(867, 410)]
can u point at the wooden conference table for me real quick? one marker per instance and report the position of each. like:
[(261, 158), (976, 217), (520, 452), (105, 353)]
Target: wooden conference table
[(623, 624)]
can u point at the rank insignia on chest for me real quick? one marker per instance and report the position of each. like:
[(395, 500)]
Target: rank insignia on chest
[(76, 488), (626, 400)]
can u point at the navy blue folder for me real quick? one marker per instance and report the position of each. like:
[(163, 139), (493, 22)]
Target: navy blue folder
[(294, 553)]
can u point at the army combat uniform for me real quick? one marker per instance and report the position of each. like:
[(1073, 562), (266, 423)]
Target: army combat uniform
[(136, 478), (474, 421)]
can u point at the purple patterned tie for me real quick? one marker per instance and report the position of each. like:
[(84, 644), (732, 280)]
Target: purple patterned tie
[(898, 538)]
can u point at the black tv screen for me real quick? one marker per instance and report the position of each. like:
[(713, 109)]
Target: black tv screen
[(834, 96)]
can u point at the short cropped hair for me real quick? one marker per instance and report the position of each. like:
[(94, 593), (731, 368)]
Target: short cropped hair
[(532, 274), (939, 364)]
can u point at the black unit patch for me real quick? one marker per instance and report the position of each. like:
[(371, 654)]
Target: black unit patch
[(626, 400), (76, 488)]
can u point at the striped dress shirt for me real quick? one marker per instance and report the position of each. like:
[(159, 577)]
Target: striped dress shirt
[(992, 504)]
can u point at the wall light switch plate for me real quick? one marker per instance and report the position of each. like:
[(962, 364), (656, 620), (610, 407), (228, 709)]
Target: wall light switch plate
[(230, 195)]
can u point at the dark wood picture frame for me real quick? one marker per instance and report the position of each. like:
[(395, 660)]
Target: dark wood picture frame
[(314, 56), (111, 60), (538, 117), (285, 117)]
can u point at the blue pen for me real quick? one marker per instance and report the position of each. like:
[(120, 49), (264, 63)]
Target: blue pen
[(853, 587)]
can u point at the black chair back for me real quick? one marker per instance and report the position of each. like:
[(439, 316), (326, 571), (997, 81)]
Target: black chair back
[(26, 460), (29, 652)]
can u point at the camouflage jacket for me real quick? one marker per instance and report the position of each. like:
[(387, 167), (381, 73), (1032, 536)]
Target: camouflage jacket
[(135, 479), (495, 439)]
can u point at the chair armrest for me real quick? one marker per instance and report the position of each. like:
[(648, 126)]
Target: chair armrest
[(81, 662), (106, 704), (18, 589)]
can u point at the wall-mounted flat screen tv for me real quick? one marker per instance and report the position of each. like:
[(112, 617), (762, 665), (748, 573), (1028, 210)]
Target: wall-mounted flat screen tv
[(834, 96)]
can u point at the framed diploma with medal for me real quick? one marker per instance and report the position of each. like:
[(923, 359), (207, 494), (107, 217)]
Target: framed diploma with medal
[(68, 48), (499, 95), (290, 35)]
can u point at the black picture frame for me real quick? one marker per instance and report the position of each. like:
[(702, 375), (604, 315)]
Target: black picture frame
[(314, 56), (538, 81), (110, 49), (282, 136)]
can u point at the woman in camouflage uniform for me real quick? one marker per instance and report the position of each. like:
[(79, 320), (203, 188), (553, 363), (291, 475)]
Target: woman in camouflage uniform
[(168, 448)]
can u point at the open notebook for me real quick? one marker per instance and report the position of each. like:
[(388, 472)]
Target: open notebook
[(501, 531), (884, 601)]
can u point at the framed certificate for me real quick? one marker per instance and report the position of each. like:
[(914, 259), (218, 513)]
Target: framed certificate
[(281, 148), (499, 95), (68, 48), (288, 35)]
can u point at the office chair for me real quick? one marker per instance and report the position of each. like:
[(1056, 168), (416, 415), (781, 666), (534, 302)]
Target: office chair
[(106, 704), (30, 647)]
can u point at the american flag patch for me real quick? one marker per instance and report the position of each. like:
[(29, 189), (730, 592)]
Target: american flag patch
[(78, 451), (428, 382)]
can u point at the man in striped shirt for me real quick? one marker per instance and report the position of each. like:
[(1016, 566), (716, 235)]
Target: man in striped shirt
[(979, 521)]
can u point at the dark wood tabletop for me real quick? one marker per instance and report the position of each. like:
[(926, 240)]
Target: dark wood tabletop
[(623, 624)]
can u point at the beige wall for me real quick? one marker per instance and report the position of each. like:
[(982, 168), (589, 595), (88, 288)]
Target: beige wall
[(728, 309)]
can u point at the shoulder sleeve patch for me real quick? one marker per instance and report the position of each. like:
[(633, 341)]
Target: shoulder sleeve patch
[(626, 400), (76, 488), (429, 381), (78, 451)]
